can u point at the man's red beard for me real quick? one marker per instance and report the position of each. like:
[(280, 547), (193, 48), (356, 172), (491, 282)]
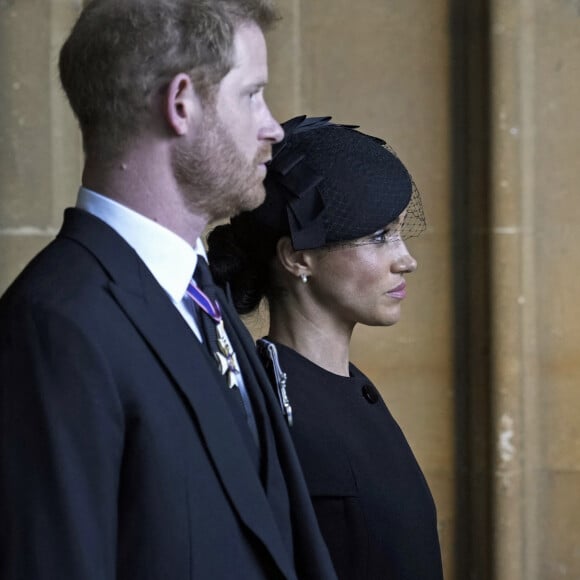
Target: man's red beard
[(216, 179)]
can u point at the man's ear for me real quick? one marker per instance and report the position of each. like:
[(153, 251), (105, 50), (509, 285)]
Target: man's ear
[(181, 104), (296, 262)]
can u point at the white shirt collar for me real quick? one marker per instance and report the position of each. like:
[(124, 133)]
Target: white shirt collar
[(169, 257)]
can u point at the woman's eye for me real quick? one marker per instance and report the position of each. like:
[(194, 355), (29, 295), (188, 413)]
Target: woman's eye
[(386, 236)]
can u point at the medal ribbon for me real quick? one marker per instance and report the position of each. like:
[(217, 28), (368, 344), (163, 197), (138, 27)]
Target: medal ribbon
[(204, 302), (226, 357)]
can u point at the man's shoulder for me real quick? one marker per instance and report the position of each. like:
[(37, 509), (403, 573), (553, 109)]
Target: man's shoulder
[(60, 274)]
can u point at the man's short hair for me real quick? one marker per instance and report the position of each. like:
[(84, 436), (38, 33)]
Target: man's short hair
[(122, 53)]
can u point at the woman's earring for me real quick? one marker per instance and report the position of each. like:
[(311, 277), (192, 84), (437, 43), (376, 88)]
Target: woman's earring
[(304, 278)]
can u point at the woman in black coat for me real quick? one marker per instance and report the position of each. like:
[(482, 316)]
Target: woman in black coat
[(327, 250)]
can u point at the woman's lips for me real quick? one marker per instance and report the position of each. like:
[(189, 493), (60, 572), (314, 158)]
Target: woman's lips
[(399, 291)]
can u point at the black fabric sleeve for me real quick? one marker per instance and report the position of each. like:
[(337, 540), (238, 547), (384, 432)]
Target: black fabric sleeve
[(61, 445)]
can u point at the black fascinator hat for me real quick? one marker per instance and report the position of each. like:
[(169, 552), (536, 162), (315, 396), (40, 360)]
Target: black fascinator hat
[(329, 183)]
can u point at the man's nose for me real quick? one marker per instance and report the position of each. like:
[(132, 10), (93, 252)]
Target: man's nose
[(271, 130)]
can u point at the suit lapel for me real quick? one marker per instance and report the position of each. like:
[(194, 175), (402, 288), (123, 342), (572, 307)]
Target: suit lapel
[(156, 320), (195, 375)]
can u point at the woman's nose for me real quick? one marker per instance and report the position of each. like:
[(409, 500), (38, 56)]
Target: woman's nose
[(405, 262)]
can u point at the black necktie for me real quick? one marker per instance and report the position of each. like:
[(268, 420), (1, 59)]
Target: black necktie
[(205, 283)]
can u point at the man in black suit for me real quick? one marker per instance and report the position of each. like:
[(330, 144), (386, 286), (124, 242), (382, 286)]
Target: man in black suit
[(139, 438)]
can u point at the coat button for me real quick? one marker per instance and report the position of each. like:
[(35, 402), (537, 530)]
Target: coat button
[(370, 394)]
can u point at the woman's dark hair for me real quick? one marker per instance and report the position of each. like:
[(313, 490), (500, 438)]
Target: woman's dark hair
[(241, 255)]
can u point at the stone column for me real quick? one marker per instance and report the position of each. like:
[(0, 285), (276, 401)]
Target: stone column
[(535, 279)]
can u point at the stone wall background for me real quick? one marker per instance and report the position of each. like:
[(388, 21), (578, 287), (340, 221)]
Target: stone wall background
[(479, 99)]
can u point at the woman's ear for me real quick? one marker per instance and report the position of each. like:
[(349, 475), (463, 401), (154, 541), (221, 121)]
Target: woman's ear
[(295, 262), (181, 104)]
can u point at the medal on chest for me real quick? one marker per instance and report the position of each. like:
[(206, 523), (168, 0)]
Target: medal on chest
[(225, 356)]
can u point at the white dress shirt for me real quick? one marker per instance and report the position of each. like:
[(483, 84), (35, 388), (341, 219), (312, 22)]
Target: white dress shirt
[(168, 257)]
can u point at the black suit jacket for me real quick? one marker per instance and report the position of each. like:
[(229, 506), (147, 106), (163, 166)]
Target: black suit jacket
[(119, 456)]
